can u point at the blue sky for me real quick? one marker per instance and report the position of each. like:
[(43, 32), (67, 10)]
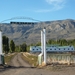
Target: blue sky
[(43, 10)]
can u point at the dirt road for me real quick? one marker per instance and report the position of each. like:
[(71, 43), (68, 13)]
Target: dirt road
[(20, 67)]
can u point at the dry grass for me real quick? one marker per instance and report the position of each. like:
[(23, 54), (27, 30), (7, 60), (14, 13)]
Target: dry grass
[(8, 58), (31, 59)]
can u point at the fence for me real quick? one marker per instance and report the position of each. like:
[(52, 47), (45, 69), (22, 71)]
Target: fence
[(60, 58)]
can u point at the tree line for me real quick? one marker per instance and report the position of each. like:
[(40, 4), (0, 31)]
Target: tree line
[(9, 46), (60, 42)]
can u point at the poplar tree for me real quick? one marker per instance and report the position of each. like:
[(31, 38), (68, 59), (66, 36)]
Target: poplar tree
[(12, 46), (5, 41)]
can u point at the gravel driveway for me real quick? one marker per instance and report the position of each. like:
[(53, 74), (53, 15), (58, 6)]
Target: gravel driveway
[(19, 67)]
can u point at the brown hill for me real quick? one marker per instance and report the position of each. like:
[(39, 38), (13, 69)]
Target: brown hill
[(22, 32)]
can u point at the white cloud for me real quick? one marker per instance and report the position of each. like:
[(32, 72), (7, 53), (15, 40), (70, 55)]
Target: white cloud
[(54, 5), (43, 10), (54, 1), (57, 4)]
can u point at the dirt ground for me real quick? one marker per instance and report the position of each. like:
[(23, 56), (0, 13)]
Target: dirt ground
[(19, 67)]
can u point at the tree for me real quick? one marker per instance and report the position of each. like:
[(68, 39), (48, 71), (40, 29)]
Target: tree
[(17, 49), (28, 48), (5, 44), (52, 41), (12, 46), (38, 44), (23, 47)]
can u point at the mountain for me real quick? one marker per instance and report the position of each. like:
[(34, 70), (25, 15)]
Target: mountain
[(30, 32)]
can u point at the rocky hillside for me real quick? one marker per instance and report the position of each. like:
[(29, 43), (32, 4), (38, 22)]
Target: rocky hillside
[(30, 32)]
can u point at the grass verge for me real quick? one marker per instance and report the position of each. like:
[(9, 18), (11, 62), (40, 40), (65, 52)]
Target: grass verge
[(8, 58), (31, 59)]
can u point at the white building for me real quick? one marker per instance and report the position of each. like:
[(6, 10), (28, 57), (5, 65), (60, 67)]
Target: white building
[(52, 48)]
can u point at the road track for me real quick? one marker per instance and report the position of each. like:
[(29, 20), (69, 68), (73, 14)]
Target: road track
[(19, 67)]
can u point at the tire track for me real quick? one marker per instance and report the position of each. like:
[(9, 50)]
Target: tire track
[(17, 61)]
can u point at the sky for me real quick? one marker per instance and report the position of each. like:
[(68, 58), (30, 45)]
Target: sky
[(39, 10)]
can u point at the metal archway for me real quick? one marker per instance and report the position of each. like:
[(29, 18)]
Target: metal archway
[(14, 18), (28, 18)]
